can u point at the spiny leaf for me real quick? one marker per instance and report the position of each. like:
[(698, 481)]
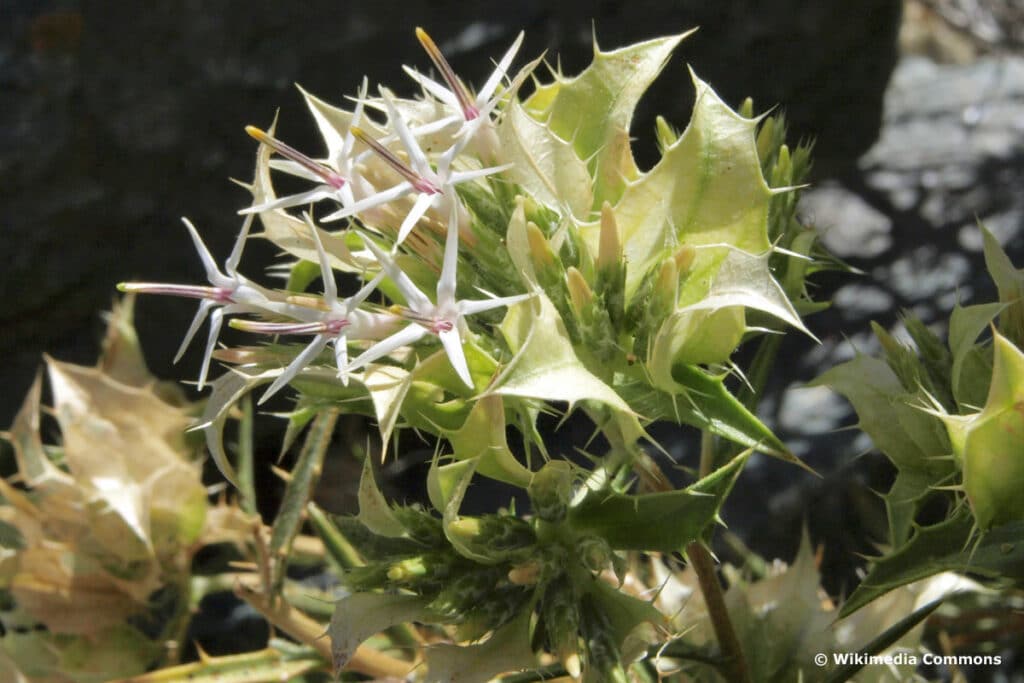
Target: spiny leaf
[(944, 547), (546, 366), (482, 436), (966, 324), (706, 190), (594, 109), (508, 649), (545, 165), (702, 400), (361, 615), (663, 522)]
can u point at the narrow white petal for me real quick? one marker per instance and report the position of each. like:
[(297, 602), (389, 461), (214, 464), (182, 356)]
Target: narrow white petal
[(216, 319), (341, 357), (417, 159), (478, 306), (231, 266), (492, 83), (292, 168), (419, 208), (452, 343), (301, 199), (417, 300), (366, 290), (463, 176), (434, 88), (357, 118), (298, 363), (446, 283), (326, 274), (197, 322), (212, 271), (404, 337), (400, 190)]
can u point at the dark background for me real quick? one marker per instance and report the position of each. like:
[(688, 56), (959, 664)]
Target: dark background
[(117, 118)]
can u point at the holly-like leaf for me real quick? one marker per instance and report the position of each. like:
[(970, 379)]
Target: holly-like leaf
[(1010, 283), (545, 165), (706, 190), (944, 547), (966, 324), (482, 437), (709, 329), (594, 110), (361, 615), (374, 511), (546, 367), (508, 649), (989, 443), (664, 522)]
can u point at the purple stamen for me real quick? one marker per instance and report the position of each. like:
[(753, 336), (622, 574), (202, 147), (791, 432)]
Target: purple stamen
[(418, 183), (328, 175), (469, 109)]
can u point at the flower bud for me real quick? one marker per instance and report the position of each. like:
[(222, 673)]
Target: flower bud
[(664, 133), (988, 443), (551, 490), (609, 251), (579, 291)]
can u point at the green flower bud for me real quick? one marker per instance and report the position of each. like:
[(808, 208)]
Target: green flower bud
[(594, 553), (988, 443), (551, 490), (561, 617), (580, 293), (500, 537)]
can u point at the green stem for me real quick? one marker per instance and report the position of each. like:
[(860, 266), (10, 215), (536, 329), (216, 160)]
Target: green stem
[(246, 476), (735, 664)]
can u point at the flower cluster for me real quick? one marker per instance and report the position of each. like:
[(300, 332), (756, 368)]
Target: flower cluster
[(407, 170)]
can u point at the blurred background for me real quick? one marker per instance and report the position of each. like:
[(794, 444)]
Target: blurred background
[(119, 117)]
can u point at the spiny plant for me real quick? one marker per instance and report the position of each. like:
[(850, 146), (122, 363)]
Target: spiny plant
[(508, 260)]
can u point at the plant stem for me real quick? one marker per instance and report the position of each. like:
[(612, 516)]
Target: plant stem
[(366, 660), (735, 664)]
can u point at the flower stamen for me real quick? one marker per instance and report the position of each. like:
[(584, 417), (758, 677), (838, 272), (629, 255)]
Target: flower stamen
[(466, 102), (287, 151), (418, 182)]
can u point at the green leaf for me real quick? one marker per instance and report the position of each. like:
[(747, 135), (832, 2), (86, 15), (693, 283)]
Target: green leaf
[(446, 486), (546, 367), (709, 329), (989, 443), (388, 386), (664, 522), (508, 649), (226, 391), (482, 437), (903, 431), (361, 615), (1010, 283), (545, 165), (707, 191), (299, 490), (374, 511), (594, 110), (966, 324), (944, 547), (703, 401)]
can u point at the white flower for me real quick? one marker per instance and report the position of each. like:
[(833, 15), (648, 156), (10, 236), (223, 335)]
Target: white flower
[(230, 293), (434, 188), (331, 320), (456, 96), (445, 319)]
